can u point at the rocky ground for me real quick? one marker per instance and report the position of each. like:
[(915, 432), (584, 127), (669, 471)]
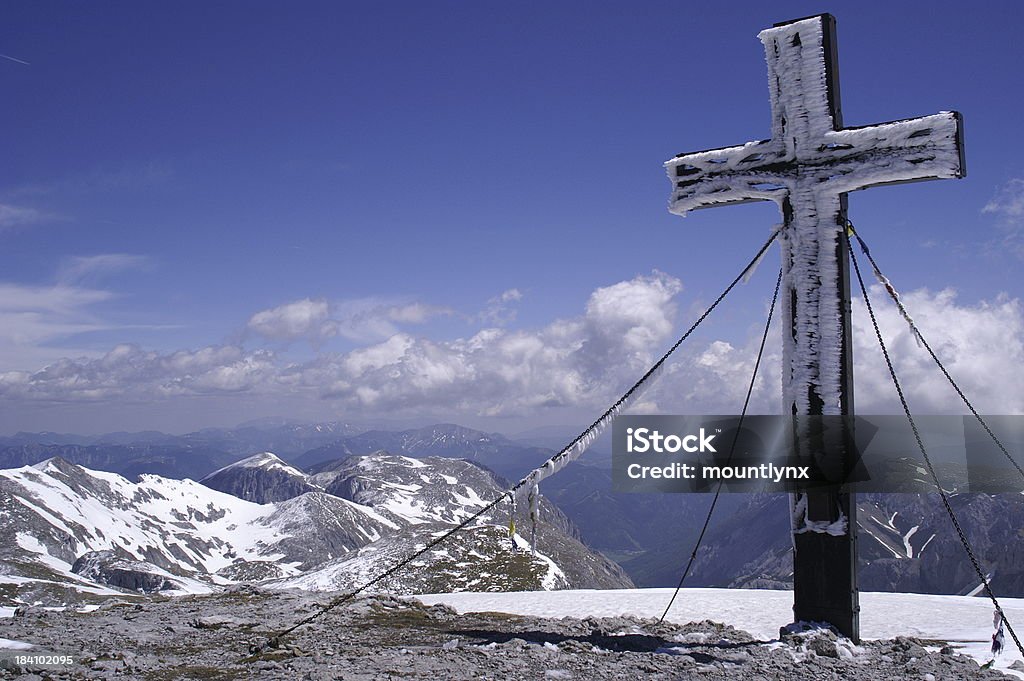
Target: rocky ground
[(214, 637)]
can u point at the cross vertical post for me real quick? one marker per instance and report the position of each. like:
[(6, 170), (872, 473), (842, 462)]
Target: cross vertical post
[(807, 167)]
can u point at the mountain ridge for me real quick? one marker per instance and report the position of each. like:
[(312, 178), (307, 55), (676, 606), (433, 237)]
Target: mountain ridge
[(66, 523)]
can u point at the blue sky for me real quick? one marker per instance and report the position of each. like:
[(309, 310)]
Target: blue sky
[(412, 211)]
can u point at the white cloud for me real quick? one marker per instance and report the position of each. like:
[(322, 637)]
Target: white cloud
[(500, 310), (304, 318), (369, 320), (19, 216), (33, 317), (129, 371), (362, 320), (1008, 201), (413, 313), (580, 361), (509, 296), (584, 362), (981, 345), (1008, 205), (79, 268)]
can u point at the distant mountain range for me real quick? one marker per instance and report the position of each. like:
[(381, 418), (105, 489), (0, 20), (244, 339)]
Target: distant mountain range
[(905, 542), (198, 454)]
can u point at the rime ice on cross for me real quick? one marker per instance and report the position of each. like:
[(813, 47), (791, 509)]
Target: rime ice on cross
[(807, 167)]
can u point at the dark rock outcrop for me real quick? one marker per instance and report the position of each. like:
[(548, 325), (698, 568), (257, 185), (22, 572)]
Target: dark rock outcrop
[(107, 567), (262, 478)]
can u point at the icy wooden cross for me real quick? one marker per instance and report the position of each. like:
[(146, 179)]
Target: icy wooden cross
[(807, 167)]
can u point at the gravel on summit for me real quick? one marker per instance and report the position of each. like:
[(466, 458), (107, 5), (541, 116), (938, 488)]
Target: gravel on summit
[(381, 637)]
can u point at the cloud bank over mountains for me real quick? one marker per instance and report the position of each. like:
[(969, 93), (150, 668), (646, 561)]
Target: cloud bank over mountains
[(583, 362)]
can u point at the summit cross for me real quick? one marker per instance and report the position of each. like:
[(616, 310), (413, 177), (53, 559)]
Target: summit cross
[(807, 167)]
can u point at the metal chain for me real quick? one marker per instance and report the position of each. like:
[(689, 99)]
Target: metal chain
[(275, 640), (732, 450), (927, 460)]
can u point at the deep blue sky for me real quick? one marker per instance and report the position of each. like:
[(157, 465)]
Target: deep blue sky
[(172, 169)]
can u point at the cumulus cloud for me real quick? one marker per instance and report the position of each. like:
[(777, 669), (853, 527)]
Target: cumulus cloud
[(129, 371), (981, 345), (501, 309), (362, 320), (572, 362), (583, 362), (304, 318)]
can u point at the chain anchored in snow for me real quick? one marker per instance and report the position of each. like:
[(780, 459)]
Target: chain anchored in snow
[(927, 459), (569, 453)]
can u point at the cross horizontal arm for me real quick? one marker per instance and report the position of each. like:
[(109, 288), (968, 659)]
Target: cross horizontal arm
[(722, 176), (925, 148)]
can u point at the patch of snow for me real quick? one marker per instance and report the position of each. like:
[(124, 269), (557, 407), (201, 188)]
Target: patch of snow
[(33, 545), (553, 577), (906, 541), (78, 584), (471, 498), (45, 515), (8, 644), (926, 544), (965, 622)]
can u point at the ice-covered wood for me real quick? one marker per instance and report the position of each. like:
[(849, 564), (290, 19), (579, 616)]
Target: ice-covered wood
[(806, 166)]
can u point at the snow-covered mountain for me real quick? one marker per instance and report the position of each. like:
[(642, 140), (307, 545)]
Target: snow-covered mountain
[(55, 513), (67, 532), (432, 494), (261, 478)]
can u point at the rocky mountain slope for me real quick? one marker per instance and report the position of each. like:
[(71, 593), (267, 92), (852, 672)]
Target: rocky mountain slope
[(424, 497), (906, 543), (650, 535), (261, 478), (380, 637), (68, 532)]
